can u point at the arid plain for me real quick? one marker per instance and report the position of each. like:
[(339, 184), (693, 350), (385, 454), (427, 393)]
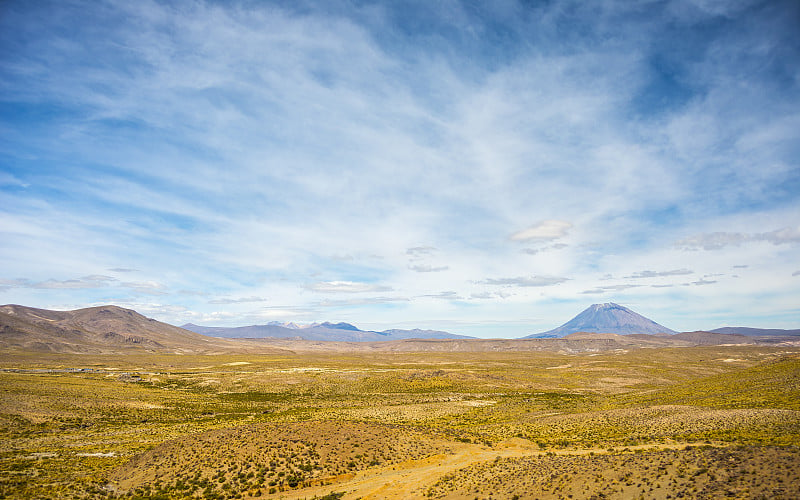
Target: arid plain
[(580, 418)]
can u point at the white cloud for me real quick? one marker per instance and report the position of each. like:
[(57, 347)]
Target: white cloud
[(146, 287), (614, 288), (86, 282), (657, 274), (702, 281), (448, 295), (346, 287), (526, 281), (242, 300), (360, 301), (490, 295), (534, 251), (425, 268), (419, 252), (712, 241), (719, 240), (544, 230), (51, 283), (343, 135)]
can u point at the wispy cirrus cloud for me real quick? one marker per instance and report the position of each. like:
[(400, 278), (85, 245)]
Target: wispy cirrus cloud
[(449, 142)]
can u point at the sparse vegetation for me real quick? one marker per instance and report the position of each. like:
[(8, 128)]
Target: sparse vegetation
[(456, 425)]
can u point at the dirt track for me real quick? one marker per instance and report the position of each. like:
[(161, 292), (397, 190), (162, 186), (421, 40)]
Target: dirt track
[(410, 479)]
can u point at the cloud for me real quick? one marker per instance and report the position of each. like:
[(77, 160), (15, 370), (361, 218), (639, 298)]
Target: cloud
[(346, 287), (7, 179), (146, 287), (619, 287), (14, 283), (490, 295), (418, 252), (615, 288), (242, 300), (425, 268), (449, 295), (360, 129), (712, 241), (741, 266), (719, 240), (54, 284), (92, 281), (98, 278), (657, 274), (526, 281), (781, 236), (796, 273), (703, 282), (86, 282), (360, 301), (534, 251), (544, 231)]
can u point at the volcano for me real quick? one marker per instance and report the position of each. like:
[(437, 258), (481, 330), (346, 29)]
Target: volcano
[(606, 318)]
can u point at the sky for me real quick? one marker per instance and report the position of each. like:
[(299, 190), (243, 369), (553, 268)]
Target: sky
[(484, 168)]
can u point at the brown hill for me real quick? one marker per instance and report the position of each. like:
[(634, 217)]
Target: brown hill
[(104, 329), (710, 338)]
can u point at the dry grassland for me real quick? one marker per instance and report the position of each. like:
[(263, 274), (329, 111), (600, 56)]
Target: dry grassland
[(403, 425)]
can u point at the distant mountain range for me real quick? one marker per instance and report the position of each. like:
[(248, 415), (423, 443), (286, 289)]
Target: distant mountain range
[(115, 330), (337, 332), (606, 318), (757, 332), (103, 330)]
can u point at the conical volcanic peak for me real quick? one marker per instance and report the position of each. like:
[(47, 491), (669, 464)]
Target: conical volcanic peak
[(607, 318)]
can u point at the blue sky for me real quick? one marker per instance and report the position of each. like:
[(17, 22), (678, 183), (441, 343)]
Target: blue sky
[(487, 168)]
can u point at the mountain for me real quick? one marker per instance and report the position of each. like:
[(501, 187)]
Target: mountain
[(416, 333), (293, 326), (757, 332), (339, 326), (606, 318), (103, 329), (336, 332), (324, 331)]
